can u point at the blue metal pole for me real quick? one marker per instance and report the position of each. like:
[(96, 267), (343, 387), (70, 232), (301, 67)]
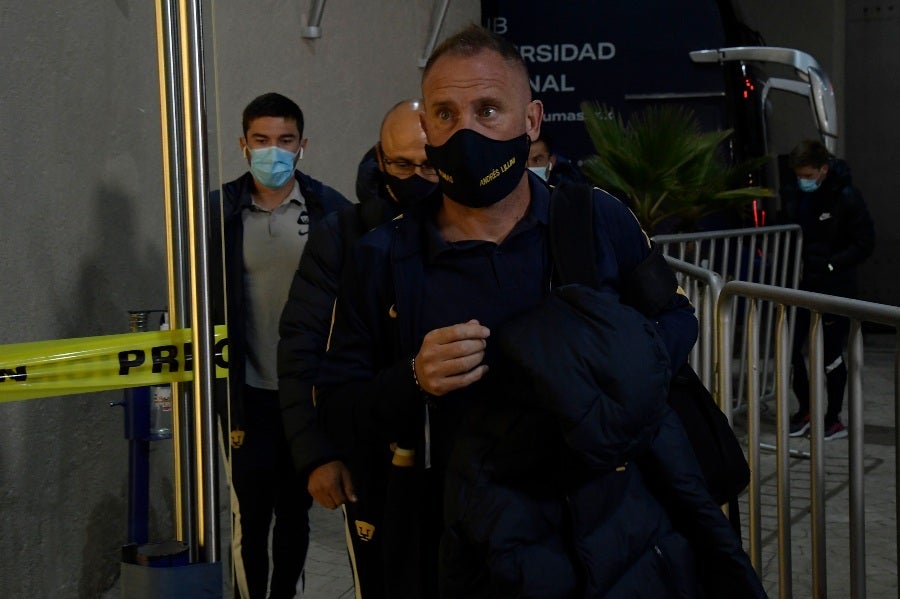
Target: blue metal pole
[(137, 431)]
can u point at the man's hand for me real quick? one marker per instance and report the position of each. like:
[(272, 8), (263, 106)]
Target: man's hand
[(331, 486), (450, 357)]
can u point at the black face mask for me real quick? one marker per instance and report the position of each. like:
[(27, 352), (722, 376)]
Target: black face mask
[(477, 171), (410, 191)]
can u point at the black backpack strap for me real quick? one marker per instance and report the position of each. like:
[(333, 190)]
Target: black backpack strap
[(572, 235), (650, 286)]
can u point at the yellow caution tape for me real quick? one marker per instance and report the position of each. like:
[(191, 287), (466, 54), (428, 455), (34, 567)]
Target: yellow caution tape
[(87, 364)]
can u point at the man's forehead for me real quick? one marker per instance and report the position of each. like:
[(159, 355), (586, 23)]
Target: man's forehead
[(265, 125), (485, 73), (403, 143), (538, 147), (402, 131)]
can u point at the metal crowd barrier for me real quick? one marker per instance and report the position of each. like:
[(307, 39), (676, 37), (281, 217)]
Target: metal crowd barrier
[(781, 300), (702, 287), (768, 255)]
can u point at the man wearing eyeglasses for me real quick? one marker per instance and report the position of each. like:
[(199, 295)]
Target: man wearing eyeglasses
[(266, 216), (404, 180), (395, 158), (406, 175)]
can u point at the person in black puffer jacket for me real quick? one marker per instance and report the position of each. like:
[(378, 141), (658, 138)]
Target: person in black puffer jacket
[(838, 235), (391, 180)]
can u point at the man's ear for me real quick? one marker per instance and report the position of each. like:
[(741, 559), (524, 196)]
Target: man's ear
[(422, 123), (244, 148), (533, 116), (379, 156)]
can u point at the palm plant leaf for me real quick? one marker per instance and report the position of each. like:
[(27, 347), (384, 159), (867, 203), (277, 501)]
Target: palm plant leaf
[(663, 165)]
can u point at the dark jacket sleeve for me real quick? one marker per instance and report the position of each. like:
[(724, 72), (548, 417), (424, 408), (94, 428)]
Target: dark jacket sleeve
[(621, 246), (363, 392), (860, 237), (225, 250), (672, 470), (596, 364), (216, 260), (333, 200), (303, 331)]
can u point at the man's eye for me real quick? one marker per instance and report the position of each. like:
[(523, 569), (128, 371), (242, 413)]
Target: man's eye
[(487, 111), (402, 164), (444, 115)]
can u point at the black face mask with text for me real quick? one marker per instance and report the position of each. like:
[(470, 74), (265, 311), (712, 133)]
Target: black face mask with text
[(410, 191), (477, 171)]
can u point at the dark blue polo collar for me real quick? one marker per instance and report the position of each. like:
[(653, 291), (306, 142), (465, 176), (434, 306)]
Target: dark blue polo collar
[(538, 213)]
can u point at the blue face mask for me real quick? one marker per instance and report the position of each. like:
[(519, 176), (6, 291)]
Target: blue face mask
[(808, 185), (272, 166), (541, 171)]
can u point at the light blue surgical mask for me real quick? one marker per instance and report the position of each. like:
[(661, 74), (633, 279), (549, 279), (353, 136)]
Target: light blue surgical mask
[(541, 171), (272, 166), (808, 185)]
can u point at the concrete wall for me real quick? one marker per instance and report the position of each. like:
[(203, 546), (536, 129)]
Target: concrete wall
[(873, 131), (81, 243), (82, 237), (365, 61)]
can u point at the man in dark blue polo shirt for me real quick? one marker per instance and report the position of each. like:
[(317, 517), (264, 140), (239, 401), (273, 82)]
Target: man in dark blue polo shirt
[(411, 351)]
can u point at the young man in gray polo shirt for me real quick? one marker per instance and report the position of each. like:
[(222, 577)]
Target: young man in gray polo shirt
[(265, 217)]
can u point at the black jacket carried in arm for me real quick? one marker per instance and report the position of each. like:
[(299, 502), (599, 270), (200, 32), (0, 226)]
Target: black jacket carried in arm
[(225, 216), (838, 232), (544, 497), (596, 368), (536, 513)]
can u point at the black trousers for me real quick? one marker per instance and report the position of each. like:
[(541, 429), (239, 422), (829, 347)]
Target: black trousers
[(835, 330), (266, 484), (395, 528), (413, 523)]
